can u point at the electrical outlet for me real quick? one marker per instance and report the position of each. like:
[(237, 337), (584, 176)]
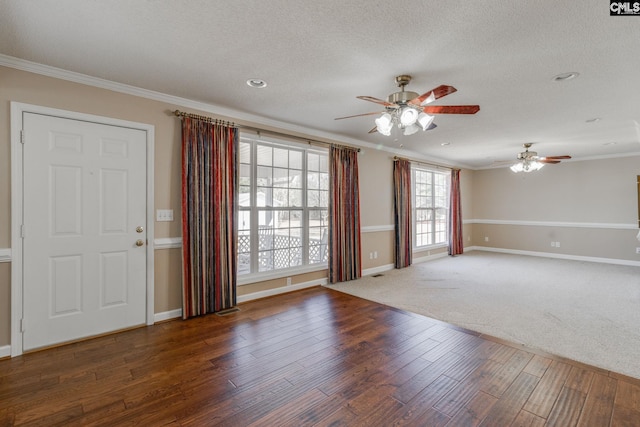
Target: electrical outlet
[(288, 281), (553, 244), (375, 255), (638, 250), (486, 239), (557, 244)]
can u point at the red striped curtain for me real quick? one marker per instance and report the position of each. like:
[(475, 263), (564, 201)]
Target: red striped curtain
[(344, 215), (402, 212), (456, 244), (209, 211)]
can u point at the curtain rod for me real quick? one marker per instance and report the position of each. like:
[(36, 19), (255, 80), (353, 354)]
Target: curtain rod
[(309, 141), (423, 163)]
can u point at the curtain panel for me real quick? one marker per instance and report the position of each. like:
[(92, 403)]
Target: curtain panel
[(209, 212), (344, 215), (402, 212), (456, 244)]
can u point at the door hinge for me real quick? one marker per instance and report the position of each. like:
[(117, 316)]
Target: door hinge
[(22, 136), (23, 325)]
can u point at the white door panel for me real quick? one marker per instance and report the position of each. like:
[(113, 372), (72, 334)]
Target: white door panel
[(84, 197)]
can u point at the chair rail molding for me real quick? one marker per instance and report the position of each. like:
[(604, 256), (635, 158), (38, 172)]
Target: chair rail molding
[(617, 226), (5, 255)]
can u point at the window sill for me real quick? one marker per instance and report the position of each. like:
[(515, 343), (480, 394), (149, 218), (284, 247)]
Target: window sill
[(431, 247), (247, 279)]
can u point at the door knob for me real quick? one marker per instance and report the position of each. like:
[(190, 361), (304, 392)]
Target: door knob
[(139, 229), (139, 242)]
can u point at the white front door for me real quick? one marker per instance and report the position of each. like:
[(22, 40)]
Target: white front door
[(84, 236)]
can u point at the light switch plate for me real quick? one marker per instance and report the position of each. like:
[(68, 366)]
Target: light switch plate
[(164, 215)]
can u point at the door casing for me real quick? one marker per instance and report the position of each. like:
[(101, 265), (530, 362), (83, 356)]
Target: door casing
[(17, 195)]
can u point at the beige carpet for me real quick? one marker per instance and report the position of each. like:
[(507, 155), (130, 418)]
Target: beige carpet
[(585, 311)]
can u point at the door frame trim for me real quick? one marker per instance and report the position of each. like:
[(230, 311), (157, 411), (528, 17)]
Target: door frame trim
[(17, 202)]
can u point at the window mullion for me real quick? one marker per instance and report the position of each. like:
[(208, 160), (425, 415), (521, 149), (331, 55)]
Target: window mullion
[(255, 243)]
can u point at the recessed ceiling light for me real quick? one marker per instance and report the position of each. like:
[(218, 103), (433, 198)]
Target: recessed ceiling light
[(594, 120), (610, 143), (445, 144), (565, 76), (257, 83)]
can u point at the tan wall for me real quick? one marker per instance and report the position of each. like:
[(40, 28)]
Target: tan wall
[(595, 193), (581, 191), (376, 188)]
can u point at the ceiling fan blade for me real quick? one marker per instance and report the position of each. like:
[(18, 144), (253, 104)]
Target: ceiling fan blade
[(432, 95), (431, 126), (546, 160), (556, 157), (374, 130), (378, 101), (451, 109), (359, 115)]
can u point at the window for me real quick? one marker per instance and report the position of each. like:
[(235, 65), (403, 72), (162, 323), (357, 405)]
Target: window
[(430, 207), (283, 206)]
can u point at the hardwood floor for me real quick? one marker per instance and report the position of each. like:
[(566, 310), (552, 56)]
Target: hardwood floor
[(313, 357)]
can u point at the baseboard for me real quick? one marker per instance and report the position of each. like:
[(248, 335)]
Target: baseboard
[(167, 315), (557, 256), (387, 267), (5, 351), (281, 290), (376, 270)]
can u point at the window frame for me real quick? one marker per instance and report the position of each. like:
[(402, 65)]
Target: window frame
[(254, 275), (433, 208)]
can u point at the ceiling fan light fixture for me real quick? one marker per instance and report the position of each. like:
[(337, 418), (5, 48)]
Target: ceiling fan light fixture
[(425, 120), (527, 166), (408, 116), (517, 167), (384, 124)]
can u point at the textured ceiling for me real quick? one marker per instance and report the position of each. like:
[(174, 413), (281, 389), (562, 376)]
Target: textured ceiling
[(317, 56)]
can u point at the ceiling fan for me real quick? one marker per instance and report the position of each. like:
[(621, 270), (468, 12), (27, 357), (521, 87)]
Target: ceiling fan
[(529, 161), (410, 111)]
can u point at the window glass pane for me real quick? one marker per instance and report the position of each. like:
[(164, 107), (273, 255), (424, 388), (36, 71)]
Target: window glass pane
[(324, 199), (264, 176), (244, 241), (324, 181), (295, 178), (313, 198), (280, 177), (281, 157), (313, 180), (265, 155), (295, 218), (295, 198), (244, 196), (324, 164), (313, 162), (245, 152), (295, 160), (280, 197)]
